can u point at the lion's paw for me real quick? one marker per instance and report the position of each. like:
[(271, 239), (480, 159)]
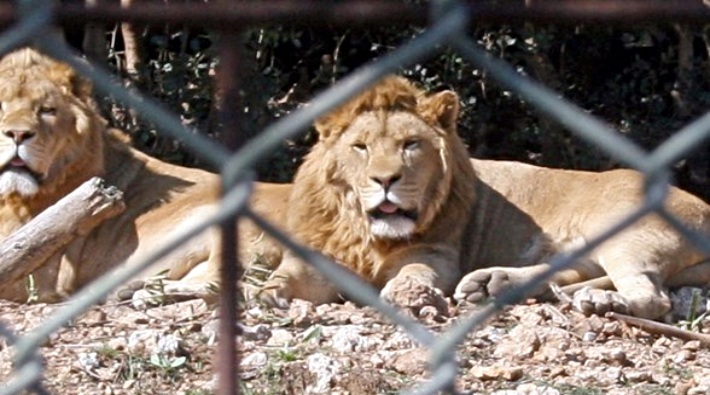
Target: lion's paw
[(480, 285), (415, 296), (598, 301)]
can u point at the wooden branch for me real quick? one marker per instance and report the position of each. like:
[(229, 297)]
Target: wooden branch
[(660, 328), (74, 215), (131, 47)]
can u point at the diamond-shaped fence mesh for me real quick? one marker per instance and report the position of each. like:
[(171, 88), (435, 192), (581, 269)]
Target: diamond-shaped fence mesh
[(448, 25)]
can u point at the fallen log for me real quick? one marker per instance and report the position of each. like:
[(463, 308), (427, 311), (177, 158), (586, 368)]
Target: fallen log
[(76, 214)]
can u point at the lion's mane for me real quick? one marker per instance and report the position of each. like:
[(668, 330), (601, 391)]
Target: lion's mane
[(324, 212), (28, 75)]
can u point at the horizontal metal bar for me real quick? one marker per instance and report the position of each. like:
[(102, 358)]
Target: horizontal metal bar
[(368, 12)]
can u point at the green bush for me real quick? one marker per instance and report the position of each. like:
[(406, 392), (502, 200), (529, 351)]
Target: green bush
[(646, 81)]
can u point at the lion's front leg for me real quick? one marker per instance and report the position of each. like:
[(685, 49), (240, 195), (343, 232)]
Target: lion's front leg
[(420, 276), (638, 279), (295, 279)]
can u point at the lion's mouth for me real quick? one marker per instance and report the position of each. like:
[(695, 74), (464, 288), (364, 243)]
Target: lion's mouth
[(388, 209), (18, 164)]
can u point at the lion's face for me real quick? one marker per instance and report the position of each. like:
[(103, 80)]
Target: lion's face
[(394, 166), (44, 124)]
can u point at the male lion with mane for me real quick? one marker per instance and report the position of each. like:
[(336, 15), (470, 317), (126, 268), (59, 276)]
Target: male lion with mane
[(52, 139), (390, 192)]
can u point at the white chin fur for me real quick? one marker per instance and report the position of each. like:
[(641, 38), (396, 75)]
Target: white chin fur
[(392, 227), (18, 181)]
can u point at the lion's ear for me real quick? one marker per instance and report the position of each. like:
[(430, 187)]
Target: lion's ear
[(330, 126), (442, 108), (81, 87), (322, 125)]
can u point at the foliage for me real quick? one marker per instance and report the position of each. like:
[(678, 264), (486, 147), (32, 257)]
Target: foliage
[(646, 81)]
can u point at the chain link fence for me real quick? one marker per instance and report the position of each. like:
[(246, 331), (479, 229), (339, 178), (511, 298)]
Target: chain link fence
[(448, 22)]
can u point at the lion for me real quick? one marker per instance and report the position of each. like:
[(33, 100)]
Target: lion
[(389, 191), (53, 139)]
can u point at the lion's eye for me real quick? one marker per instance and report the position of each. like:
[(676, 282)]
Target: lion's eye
[(48, 111), (359, 147), (411, 145)]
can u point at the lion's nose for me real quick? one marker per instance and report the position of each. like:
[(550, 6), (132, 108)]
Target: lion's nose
[(386, 181), (18, 135)]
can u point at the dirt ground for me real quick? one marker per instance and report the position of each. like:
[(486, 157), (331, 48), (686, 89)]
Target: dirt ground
[(536, 348)]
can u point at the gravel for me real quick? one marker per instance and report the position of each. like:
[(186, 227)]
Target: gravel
[(535, 348)]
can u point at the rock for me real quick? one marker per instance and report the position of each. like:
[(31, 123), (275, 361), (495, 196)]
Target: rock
[(531, 319), (693, 345), (259, 332), (280, 337), (301, 312), (95, 317), (682, 388), (325, 369), (619, 356), (117, 343), (168, 344), (255, 360), (520, 343), (611, 375), (638, 377), (88, 361), (589, 336), (141, 341), (349, 338), (533, 389), (592, 325), (557, 371), (699, 390), (431, 314), (210, 330), (660, 346), (612, 328), (487, 373), (398, 341), (683, 356), (662, 379), (411, 363), (412, 295)]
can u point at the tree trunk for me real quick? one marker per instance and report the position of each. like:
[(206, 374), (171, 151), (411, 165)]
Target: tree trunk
[(74, 215), (131, 47)]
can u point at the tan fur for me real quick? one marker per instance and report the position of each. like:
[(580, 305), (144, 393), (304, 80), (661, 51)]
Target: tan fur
[(65, 143), (525, 214), (503, 219), (326, 209)]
